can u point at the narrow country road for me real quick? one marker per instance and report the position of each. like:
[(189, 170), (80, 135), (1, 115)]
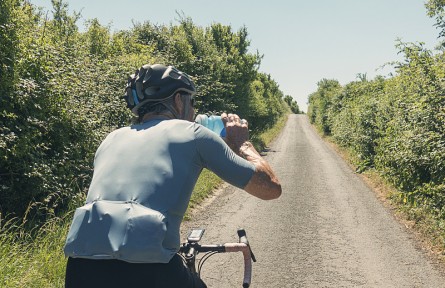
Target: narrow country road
[(326, 230)]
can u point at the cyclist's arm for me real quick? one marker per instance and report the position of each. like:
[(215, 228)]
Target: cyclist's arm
[(263, 183)]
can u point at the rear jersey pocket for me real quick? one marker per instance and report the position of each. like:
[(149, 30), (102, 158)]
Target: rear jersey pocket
[(118, 230)]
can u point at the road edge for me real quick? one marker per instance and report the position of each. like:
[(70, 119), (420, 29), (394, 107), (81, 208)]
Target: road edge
[(384, 192)]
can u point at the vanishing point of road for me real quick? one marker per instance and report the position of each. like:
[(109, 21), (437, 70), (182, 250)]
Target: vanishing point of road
[(328, 229)]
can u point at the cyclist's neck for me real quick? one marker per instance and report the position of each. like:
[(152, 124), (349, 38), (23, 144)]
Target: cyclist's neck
[(152, 116)]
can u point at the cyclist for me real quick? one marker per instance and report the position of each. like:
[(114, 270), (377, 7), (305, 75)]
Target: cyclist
[(128, 232)]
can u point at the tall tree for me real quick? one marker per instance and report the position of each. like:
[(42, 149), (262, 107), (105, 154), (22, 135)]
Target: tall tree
[(436, 8)]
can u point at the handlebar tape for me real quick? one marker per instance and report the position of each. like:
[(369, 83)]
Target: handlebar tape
[(243, 247), (243, 239)]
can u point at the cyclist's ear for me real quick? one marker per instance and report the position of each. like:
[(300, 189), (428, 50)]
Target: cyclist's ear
[(179, 103), (178, 99)]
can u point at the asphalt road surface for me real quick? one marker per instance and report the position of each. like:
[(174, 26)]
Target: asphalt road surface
[(328, 229)]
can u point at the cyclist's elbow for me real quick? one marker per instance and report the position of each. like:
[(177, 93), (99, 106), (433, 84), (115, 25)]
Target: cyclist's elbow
[(264, 185), (276, 191), (264, 192)]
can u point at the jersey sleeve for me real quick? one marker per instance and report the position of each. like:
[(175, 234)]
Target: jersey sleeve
[(217, 156)]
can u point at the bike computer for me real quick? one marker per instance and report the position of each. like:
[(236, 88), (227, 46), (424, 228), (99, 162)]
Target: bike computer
[(195, 235)]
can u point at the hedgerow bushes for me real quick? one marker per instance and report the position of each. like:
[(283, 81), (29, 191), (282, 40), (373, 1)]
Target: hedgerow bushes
[(395, 125), (60, 92)]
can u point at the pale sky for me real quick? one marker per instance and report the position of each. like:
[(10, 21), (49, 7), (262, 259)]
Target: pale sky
[(302, 41)]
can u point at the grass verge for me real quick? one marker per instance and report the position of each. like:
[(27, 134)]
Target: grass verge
[(428, 229), (33, 261)]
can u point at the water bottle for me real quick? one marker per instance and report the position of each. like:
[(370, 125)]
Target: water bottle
[(213, 122)]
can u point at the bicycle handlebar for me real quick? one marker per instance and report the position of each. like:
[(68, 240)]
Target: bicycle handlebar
[(244, 247), (243, 239)]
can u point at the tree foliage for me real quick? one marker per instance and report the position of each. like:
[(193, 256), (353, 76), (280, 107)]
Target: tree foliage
[(322, 103), (60, 92), (293, 105), (436, 9)]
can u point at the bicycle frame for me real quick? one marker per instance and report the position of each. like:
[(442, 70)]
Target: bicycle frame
[(188, 251)]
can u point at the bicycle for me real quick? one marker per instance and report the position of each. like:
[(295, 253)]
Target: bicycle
[(189, 250)]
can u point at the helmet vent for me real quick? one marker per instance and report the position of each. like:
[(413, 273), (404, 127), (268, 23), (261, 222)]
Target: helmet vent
[(179, 76), (148, 74), (151, 90), (174, 74)]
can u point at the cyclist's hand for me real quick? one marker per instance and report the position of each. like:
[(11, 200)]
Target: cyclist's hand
[(237, 131), (263, 184)]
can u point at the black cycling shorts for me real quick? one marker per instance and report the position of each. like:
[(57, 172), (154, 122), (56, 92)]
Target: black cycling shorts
[(87, 273)]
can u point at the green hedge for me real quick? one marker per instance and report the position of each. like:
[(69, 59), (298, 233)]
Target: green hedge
[(395, 125), (60, 93)]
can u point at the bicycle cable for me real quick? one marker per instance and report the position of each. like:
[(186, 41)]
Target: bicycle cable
[(203, 259)]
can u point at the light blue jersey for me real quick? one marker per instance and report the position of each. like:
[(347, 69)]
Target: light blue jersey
[(142, 182)]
